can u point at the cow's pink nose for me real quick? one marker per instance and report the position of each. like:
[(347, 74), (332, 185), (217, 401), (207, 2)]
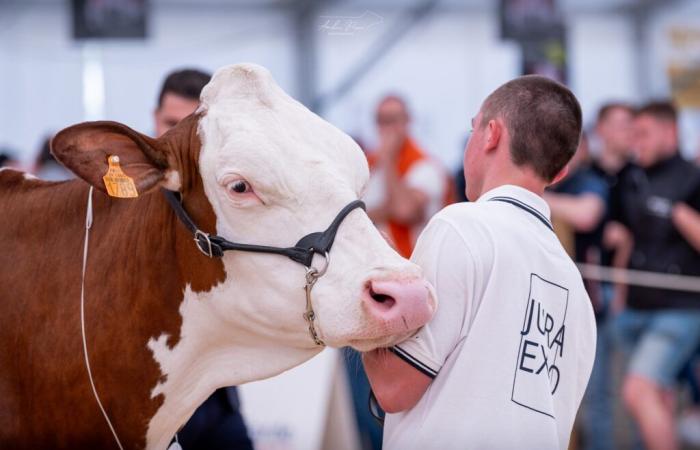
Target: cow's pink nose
[(402, 305)]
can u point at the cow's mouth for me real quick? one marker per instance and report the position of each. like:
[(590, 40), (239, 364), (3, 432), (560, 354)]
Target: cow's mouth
[(366, 345)]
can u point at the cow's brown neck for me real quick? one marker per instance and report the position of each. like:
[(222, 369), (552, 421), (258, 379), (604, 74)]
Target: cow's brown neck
[(140, 260)]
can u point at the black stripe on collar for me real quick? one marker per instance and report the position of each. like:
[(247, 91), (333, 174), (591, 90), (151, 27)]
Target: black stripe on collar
[(524, 207), (413, 361)]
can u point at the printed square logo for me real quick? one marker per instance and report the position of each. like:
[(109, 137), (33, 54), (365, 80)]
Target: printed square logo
[(542, 339)]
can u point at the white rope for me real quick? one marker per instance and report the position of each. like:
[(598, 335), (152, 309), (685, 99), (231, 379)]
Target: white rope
[(640, 278), (88, 224)]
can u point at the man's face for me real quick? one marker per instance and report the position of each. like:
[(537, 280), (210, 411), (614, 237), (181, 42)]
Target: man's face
[(616, 131), (392, 118), (654, 139), (473, 159), (173, 109)]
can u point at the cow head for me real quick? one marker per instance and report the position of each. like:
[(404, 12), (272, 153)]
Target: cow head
[(271, 172)]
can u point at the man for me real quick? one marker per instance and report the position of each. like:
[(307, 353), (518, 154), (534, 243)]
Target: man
[(406, 186), (217, 423), (178, 98), (613, 163), (614, 129), (579, 202), (661, 328), (505, 361)]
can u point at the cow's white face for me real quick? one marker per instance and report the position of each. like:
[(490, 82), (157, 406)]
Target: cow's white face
[(274, 172)]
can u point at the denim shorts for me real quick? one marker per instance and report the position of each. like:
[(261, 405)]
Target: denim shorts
[(659, 342)]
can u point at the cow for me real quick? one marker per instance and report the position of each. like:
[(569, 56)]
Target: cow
[(166, 321)]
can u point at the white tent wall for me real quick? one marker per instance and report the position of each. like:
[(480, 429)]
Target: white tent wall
[(601, 61), (445, 64), (41, 66), (451, 61), (40, 75), (444, 67)]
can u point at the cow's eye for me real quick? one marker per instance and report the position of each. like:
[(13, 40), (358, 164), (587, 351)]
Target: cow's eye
[(239, 187)]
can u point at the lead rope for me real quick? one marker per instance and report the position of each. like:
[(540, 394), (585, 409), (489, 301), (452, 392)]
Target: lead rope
[(88, 224)]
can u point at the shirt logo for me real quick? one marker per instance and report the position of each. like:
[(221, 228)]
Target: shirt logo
[(659, 206), (542, 338)]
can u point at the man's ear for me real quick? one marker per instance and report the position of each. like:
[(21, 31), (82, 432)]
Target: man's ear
[(494, 134), (85, 148)]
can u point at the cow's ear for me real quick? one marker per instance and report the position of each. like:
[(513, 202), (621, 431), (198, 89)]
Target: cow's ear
[(85, 149)]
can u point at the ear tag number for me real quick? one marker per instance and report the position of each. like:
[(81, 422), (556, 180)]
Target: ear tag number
[(118, 183)]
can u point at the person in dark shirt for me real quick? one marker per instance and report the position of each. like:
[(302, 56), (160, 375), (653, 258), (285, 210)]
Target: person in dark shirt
[(579, 202), (612, 164), (660, 205)]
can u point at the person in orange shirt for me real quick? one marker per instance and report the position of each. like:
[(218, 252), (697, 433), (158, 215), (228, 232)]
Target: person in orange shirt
[(406, 186)]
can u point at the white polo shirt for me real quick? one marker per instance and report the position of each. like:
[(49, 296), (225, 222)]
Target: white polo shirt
[(512, 343)]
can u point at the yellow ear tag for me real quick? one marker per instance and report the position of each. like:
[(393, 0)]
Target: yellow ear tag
[(118, 183)]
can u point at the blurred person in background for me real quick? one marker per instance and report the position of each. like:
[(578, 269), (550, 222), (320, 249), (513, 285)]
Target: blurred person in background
[(660, 329), (613, 163), (459, 180), (178, 98), (579, 202), (7, 159), (406, 186), (46, 167), (217, 423)]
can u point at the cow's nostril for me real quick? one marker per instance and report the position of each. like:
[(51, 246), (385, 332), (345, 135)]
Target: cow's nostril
[(385, 299)]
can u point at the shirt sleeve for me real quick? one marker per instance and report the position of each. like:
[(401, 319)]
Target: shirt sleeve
[(597, 186), (449, 266)]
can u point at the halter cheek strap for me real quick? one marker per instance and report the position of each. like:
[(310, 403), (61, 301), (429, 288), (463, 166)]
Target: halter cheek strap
[(303, 252)]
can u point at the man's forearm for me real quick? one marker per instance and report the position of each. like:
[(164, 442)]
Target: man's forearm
[(397, 385), (687, 221), (582, 212)]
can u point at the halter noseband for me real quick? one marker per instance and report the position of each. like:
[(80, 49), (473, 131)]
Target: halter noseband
[(303, 252)]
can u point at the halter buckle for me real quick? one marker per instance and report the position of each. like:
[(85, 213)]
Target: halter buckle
[(200, 237)]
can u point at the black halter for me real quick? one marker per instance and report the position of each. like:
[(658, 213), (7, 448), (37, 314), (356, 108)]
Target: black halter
[(303, 252)]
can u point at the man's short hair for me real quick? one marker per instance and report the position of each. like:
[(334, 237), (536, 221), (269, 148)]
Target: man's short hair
[(609, 107), (543, 119), (662, 110), (187, 83)]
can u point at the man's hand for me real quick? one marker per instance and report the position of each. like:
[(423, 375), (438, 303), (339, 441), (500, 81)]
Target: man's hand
[(617, 238), (397, 385), (403, 203)]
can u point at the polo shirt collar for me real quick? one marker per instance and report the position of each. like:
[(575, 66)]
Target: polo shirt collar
[(522, 198)]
